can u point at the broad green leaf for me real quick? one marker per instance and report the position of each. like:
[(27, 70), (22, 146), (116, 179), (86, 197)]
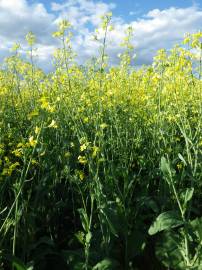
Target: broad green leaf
[(168, 251), (165, 167), (196, 226), (165, 221), (187, 195)]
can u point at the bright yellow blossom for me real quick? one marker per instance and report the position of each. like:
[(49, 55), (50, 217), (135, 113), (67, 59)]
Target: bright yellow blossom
[(53, 124), (82, 160), (32, 141)]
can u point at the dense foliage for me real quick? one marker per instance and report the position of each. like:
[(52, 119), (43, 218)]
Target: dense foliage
[(101, 167)]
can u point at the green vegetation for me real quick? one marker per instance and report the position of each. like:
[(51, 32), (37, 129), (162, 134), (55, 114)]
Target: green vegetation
[(101, 167)]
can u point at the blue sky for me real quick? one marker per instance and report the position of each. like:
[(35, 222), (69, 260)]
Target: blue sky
[(125, 7), (156, 24), (137, 8)]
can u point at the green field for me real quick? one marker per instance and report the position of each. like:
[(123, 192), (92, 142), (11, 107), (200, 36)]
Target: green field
[(101, 166)]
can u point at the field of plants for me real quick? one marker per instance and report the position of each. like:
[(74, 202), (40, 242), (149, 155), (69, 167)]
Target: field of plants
[(101, 166)]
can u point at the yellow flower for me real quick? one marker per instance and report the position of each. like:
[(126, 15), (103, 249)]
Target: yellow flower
[(12, 167), (32, 114), (51, 109), (82, 160), (179, 166), (32, 142), (19, 145), (84, 146), (33, 161), (95, 151), (37, 130), (17, 152), (177, 139), (103, 125), (86, 120), (53, 124), (46, 106), (44, 103), (80, 174)]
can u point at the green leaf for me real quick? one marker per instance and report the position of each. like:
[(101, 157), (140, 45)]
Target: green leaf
[(18, 266), (165, 221), (105, 264), (168, 251), (84, 219), (187, 195), (148, 202), (196, 226), (108, 221), (165, 167), (1, 212), (80, 236), (79, 266), (88, 237), (182, 159)]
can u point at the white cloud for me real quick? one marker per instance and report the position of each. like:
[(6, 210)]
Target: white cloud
[(17, 17), (80, 12), (156, 29), (162, 29)]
